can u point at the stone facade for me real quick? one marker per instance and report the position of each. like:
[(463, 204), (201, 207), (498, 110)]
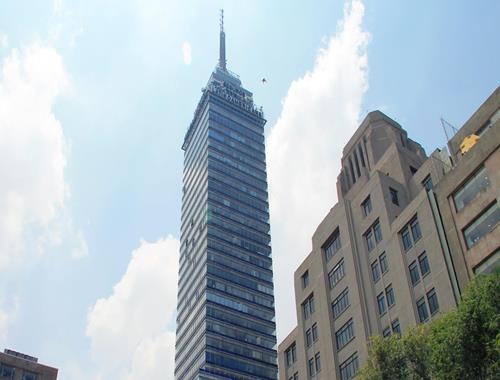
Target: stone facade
[(380, 259)]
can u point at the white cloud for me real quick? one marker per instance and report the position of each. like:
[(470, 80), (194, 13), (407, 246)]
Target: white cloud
[(33, 149), (319, 114), (132, 330), (57, 5), (186, 53)]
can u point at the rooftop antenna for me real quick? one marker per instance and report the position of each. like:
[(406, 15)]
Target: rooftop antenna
[(222, 43), (448, 127)]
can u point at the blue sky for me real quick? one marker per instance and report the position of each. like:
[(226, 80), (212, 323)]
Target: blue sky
[(91, 156)]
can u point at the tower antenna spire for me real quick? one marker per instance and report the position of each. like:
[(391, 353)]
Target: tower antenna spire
[(222, 43)]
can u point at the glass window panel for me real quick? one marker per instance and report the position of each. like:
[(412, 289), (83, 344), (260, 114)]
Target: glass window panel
[(396, 328), (391, 299), (336, 274), (394, 196), (433, 301), (414, 275), (384, 264), (381, 303), (470, 189), (415, 229), (405, 236), (482, 225), (423, 314), (377, 230), (424, 264), (340, 303), (375, 271), (333, 246)]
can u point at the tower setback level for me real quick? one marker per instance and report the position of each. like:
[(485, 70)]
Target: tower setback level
[(225, 310)]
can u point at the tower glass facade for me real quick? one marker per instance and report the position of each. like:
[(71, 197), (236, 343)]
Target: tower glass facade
[(225, 311)]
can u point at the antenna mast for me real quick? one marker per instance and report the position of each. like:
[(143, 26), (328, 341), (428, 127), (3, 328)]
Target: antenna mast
[(222, 43)]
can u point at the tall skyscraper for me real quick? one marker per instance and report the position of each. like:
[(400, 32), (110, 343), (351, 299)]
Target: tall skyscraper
[(225, 310)]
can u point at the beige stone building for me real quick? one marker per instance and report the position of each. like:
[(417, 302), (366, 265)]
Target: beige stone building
[(395, 250), (469, 195), (18, 366)]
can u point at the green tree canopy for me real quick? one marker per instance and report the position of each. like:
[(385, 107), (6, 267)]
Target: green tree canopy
[(463, 344)]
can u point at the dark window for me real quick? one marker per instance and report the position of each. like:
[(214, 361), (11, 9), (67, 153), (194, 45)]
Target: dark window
[(375, 271), (389, 292), (361, 156), (370, 242), (367, 206), (305, 279), (308, 337), (308, 306), (470, 189), (423, 314), (291, 354), (296, 376), (410, 233), (384, 264), (427, 183), (381, 303), (312, 372), (405, 236), (336, 274), (7, 371), (424, 264), (414, 275), (396, 328), (413, 170), (352, 171), (373, 235), (386, 332), (357, 163), (394, 196), (349, 368), (29, 376), (344, 334), (377, 230), (340, 303), (415, 229), (483, 225), (333, 245), (317, 360), (314, 330), (433, 301)]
